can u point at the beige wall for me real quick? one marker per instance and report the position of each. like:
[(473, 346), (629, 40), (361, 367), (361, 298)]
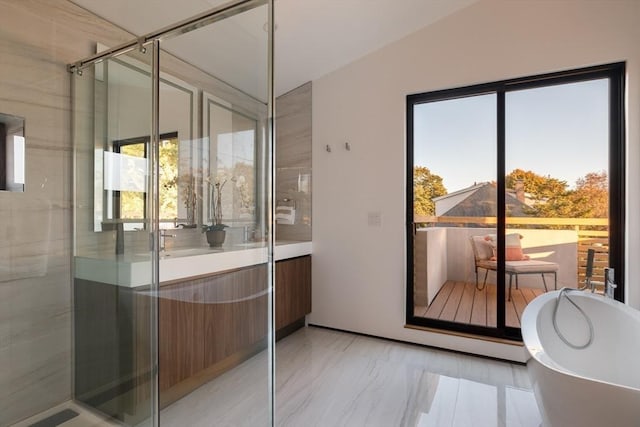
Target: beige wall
[(359, 270)]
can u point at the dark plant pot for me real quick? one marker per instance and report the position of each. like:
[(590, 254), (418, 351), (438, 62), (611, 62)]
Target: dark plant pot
[(215, 238)]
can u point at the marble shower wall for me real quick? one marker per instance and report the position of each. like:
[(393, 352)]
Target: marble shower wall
[(293, 161), (37, 39)]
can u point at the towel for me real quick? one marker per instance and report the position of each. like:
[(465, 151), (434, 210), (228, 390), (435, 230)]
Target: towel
[(285, 215)]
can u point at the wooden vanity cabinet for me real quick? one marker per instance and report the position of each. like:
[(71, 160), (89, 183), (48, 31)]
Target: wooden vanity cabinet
[(181, 333), (208, 325), (292, 293)]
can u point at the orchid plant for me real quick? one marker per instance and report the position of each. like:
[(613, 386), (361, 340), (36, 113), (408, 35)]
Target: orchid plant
[(216, 204)]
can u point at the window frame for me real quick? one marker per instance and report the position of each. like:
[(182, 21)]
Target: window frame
[(116, 147), (615, 73)]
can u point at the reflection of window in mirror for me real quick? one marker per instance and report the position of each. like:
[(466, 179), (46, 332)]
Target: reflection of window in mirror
[(126, 180), (12, 153)]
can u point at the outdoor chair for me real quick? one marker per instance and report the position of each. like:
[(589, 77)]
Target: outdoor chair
[(483, 255)]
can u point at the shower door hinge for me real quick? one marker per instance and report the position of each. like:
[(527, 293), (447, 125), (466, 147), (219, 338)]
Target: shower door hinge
[(141, 46)]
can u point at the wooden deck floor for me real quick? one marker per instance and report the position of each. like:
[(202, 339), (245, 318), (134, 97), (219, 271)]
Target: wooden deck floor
[(461, 302)]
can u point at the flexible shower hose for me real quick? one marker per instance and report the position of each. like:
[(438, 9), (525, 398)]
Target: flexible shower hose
[(563, 292)]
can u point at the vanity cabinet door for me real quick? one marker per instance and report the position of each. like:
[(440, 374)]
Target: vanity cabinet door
[(208, 325), (235, 319), (181, 332), (293, 290)]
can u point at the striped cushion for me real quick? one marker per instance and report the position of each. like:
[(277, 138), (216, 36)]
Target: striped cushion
[(513, 250)]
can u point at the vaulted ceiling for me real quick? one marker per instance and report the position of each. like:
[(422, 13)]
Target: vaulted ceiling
[(313, 37)]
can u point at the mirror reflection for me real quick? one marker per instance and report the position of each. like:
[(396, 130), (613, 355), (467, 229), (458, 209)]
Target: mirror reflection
[(209, 159)]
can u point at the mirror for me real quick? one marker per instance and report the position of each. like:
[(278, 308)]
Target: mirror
[(122, 145), (12, 153), (230, 162), (210, 151)]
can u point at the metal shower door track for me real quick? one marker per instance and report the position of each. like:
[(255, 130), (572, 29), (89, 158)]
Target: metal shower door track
[(198, 21)]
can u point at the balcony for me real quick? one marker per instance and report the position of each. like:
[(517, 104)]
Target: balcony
[(444, 268)]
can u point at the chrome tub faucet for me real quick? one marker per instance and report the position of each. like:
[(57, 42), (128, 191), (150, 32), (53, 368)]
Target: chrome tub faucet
[(609, 285)]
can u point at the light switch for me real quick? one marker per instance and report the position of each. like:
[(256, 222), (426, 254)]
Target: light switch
[(374, 219)]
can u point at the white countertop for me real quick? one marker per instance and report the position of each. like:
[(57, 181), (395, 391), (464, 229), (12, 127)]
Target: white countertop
[(134, 271)]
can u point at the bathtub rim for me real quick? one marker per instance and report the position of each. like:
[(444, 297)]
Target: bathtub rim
[(531, 340)]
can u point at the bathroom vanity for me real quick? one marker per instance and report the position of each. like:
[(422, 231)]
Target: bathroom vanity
[(212, 316)]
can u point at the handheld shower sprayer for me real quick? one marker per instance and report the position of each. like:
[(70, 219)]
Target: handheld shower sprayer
[(589, 271)]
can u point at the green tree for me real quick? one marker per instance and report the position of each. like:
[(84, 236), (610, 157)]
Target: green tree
[(541, 188), (132, 202), (426, 187), (552, 198), (591, 196), (168, 165), (549, 195)]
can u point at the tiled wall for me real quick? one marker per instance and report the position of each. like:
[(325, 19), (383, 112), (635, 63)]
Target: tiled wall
[(293, 161), (37, 40)]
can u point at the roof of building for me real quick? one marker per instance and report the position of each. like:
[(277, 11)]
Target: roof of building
[(482, 202)]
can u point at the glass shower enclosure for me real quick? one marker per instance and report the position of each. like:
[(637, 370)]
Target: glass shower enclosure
[(173, 236)]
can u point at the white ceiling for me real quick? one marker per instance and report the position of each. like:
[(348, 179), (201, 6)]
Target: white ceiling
[(313, 37)]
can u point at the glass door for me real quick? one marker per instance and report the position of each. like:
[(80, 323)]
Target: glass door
[(173, 236), (557, 189), (114, 313), (510, 184), (455, 208), (215, 313)]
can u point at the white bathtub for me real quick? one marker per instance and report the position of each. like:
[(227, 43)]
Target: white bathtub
[(596, 386)]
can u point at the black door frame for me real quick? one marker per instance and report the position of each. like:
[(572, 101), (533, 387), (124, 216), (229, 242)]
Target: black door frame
[(615, 73), (116, 148)]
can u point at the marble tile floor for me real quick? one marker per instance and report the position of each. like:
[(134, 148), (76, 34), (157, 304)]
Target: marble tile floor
[(328, 378)]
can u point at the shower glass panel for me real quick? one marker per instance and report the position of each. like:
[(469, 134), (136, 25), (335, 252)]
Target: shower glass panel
[(173, 244), (113, 286), (215, 331)]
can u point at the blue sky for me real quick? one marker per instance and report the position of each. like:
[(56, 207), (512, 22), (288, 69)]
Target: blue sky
[(561, 131)]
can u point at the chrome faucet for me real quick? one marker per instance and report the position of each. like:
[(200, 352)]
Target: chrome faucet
[(609, 285), (163, 236), (247, 234)]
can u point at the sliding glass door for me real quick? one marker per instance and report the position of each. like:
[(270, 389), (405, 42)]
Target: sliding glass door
[(173, 224), (454, 194), (557, 170), (509, 184)]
